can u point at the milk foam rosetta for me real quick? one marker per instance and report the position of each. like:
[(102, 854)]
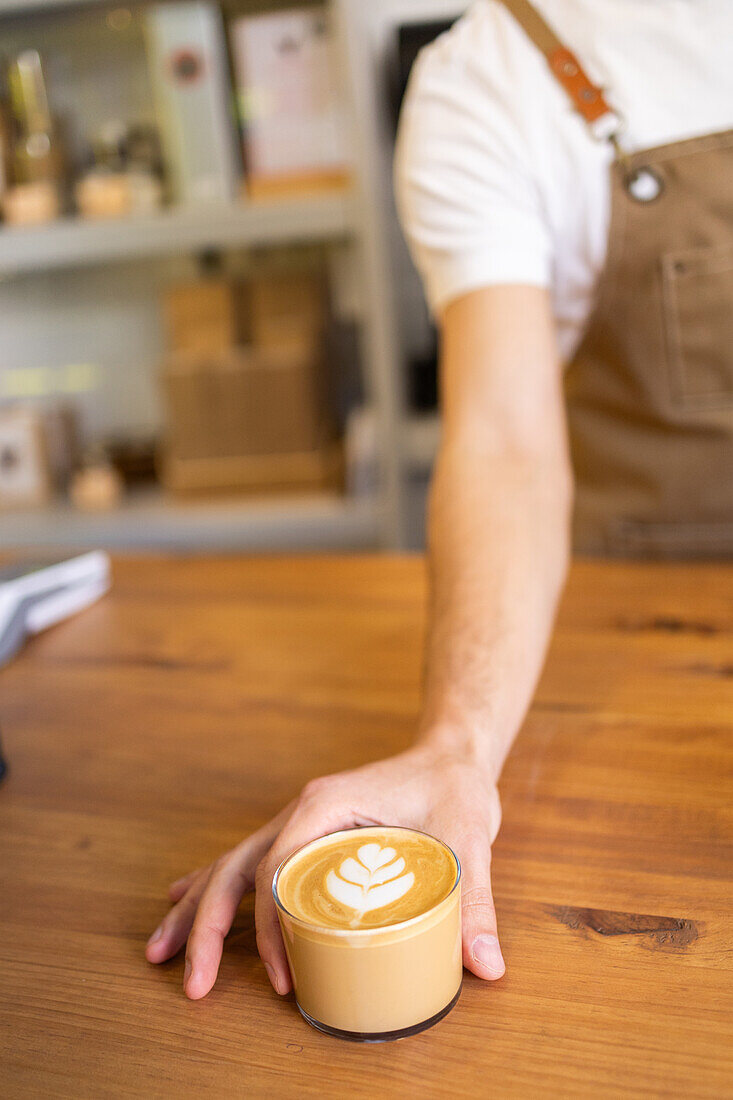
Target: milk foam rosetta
[(372, 880), (367, 878)]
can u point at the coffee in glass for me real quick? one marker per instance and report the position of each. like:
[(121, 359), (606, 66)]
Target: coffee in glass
[(371, 923)]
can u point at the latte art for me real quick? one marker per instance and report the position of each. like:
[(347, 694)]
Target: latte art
[(371, 880), (367, 878)]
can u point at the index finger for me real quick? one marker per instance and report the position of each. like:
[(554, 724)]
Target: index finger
[(230, 879)]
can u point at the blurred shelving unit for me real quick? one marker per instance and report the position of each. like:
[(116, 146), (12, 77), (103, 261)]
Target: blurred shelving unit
[(363, 220), (71, 242), (23, 7), (422, 436), (149, 520), (368, 34)]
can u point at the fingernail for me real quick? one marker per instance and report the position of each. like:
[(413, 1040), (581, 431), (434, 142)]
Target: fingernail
[(156, 935), (486, 951), (272, 976), (186, 973)]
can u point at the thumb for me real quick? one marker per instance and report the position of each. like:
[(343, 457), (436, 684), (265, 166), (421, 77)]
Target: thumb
[(481, 951)]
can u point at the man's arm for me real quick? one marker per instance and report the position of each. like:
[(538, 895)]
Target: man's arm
[(499, 545), (498, 519)]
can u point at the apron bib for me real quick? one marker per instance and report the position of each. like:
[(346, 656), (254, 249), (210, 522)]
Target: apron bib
[(650, 388)]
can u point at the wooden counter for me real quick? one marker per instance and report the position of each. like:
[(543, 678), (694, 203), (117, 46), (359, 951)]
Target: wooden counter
[(153, 731)]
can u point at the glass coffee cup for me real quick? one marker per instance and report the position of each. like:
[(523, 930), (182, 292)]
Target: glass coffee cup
[(371, 922)]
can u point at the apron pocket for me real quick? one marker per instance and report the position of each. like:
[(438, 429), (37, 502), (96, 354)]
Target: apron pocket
[(698, 317)]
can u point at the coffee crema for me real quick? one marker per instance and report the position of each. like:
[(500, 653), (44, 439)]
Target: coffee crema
[(367, 878)]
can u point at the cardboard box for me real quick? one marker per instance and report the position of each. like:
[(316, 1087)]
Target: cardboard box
[(288, 309), (302, 471), (248, 419), (208, 316)]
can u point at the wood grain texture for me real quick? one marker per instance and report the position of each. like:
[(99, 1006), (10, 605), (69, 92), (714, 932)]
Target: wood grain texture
[(153, 731)]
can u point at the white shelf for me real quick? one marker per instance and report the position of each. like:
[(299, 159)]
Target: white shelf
[(71, 242), (38, 7), (150, 520), (421, 440)]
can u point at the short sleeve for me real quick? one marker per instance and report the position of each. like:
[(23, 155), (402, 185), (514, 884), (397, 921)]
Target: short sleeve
[(466, 188)]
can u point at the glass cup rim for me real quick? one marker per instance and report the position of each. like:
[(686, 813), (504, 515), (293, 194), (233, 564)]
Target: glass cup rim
[(348, 932)]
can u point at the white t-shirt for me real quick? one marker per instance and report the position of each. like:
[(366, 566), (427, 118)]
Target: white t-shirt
[(499, 180)]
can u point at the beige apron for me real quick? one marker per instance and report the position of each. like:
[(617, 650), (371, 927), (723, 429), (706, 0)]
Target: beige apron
[(650, 389)]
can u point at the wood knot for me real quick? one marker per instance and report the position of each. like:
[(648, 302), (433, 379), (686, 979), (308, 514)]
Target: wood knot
[(674, 933)]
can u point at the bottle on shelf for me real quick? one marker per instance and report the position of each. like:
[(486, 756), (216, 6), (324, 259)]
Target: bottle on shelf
[(37, 160), (6, 137), (5, 146)]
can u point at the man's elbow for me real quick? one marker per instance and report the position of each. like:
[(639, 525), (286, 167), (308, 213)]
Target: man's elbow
[(540, 461)]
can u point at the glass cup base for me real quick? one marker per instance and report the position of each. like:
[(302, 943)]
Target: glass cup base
[(381, 1036)]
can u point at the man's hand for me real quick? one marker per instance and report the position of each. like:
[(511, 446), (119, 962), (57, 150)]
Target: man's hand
[(424, 788)]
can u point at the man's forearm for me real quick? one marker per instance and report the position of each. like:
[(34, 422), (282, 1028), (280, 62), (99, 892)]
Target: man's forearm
[(498, 551)]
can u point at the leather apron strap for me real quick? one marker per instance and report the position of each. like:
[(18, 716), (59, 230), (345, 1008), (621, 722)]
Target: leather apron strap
[(587, 98)]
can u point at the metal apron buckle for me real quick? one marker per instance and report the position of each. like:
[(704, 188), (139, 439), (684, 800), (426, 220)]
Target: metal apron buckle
[(643, 184)]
